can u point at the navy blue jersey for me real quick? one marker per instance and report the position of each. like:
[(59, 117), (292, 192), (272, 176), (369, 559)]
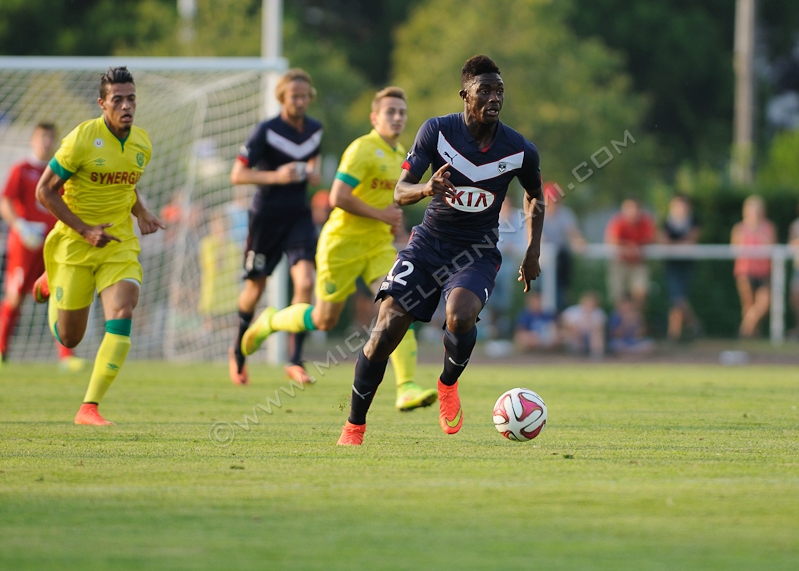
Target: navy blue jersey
[(481, 175), (274, 143)]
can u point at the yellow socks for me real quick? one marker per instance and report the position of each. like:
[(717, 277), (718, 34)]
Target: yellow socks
[(110, 358), (403, 359), (52, 316), (294, 319)]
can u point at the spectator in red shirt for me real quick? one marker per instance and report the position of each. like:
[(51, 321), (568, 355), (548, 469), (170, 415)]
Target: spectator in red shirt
[(28, 222), (753, 275), (628, 274)]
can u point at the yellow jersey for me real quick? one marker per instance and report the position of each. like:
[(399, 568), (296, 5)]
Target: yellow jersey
[(372, 167), (101, 173)]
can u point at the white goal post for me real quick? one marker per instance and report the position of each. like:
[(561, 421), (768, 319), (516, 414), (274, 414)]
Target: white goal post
[(198, 112)]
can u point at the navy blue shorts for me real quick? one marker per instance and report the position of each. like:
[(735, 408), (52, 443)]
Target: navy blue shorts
[(429, 267), (271, 235)]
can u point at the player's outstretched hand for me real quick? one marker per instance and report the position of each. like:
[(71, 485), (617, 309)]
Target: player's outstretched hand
[(149, 223), (439, 184), (529, 270), (97, 236)]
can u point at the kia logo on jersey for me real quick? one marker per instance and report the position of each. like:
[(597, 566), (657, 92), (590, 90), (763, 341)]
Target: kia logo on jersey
[(470, 199)]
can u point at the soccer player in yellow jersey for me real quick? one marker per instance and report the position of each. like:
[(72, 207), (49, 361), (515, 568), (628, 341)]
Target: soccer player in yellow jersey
[(93, 245), (357, 241)]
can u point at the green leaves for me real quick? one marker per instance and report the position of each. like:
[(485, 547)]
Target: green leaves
[(568, 95)]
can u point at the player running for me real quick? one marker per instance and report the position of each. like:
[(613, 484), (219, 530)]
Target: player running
[(93, 245), (28, 224), (474, 158), (281, 157), (357, 242)]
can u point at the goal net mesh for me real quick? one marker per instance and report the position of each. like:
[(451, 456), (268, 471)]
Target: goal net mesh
[(197, 120)]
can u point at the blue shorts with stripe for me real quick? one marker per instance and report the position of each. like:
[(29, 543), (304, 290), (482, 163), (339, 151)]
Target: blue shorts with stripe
[(428, 267)]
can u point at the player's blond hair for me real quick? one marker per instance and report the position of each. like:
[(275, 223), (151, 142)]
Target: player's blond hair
[(293, 74), (390, 91)]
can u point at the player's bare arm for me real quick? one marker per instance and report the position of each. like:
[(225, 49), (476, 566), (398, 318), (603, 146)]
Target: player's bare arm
[(47, 193), (534, 217), (314, 171), (286, 174), (7, 212), (148, 222), (410, 191), (341, 196)]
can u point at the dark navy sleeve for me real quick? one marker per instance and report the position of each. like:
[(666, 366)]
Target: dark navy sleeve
[(318, 149), (255, 148), (530, 174), (423, 150)]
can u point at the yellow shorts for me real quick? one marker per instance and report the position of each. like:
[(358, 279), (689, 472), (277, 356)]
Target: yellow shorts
[(75, 268), (340, 261)]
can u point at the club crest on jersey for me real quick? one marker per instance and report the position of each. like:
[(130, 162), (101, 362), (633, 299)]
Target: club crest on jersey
[(140, 159), (98, 142), (470, 199), (502, 166)]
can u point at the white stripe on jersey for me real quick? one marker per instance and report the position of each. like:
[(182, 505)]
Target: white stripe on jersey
[(473, 172), (292, 149)]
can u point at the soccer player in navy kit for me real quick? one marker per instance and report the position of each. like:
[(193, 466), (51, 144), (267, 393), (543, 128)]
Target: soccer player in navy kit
[(282, 156), (474, 158)]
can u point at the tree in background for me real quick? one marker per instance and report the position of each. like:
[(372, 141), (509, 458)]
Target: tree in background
[(228, 28), (781, 168), (569, 96), (81, 27), (679, 55), (362, 28)]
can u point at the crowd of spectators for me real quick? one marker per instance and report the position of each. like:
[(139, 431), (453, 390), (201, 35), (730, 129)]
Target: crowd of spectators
[(585, 327)]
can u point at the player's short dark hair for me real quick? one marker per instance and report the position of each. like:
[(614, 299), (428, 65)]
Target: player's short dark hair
[(114, 75), (477, 65), (45, 126)]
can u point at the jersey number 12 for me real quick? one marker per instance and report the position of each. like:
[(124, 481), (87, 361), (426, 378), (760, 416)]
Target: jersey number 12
[(390, 277)]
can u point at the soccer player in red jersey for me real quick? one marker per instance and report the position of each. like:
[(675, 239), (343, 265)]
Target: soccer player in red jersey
[(29, 222)]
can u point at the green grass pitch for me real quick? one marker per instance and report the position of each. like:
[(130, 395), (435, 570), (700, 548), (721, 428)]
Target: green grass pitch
[(669, 468)]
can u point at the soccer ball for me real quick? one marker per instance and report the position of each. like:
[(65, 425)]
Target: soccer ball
[(520, 415)]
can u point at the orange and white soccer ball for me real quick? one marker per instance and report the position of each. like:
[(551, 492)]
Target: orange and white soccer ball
[(520, 414)]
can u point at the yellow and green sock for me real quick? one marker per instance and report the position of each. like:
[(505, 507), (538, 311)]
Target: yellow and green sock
[(403, 359), (110, 357), (294, 319), (52, 317)]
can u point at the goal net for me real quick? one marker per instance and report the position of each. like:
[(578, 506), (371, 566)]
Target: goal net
[(197, 112)]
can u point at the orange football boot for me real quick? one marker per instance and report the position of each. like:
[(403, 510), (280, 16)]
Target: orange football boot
[(238, 378), (298, 373), (450, 414), (88, 414), (351, 434), (41, 289)]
